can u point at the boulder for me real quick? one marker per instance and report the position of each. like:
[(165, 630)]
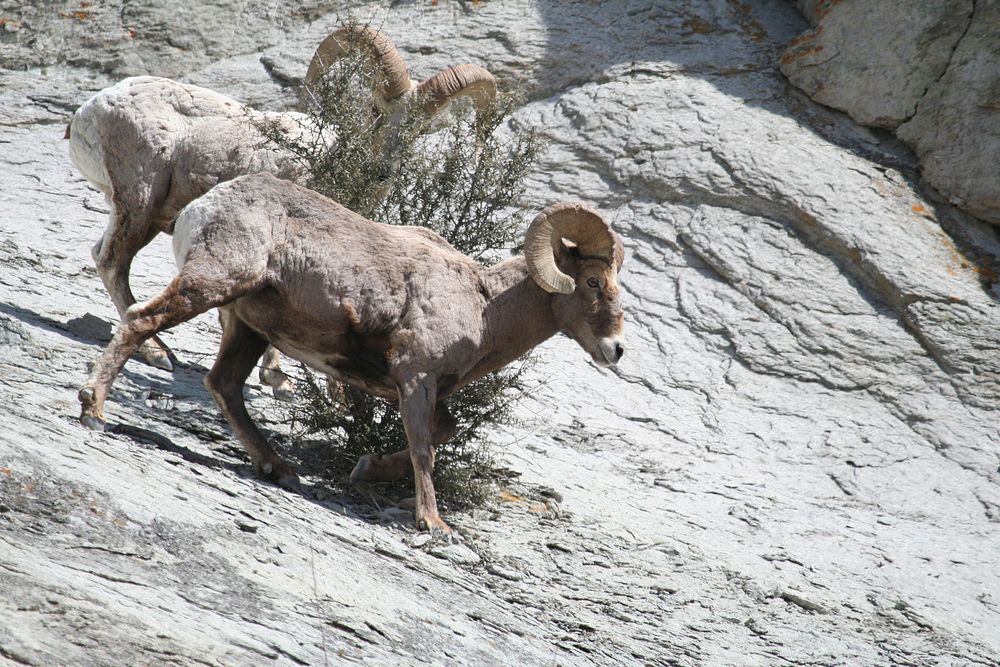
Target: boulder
[(956, 129), (927, 70), (875, 60)]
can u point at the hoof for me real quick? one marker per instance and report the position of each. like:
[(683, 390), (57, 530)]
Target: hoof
[(93, 423), (290, 482), (158, 359), (284, 393), (361, 469), (281, 385), (155, 356), (283, 477), (433, 525)]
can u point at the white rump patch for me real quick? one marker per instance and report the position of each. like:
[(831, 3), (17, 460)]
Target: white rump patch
[(190, 221)]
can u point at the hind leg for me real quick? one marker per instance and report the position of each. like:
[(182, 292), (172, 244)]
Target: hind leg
[(271, 374), (190, 293), (127, 233), (238, 354), (391, 467)]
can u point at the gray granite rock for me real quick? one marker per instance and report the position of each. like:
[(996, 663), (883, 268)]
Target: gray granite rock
[(795, 463)]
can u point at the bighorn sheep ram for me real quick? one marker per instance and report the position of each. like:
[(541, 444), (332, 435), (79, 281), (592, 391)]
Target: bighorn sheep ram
[(392, 310), (153, 145)]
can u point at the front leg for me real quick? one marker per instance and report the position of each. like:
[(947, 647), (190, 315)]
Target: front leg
[(416, 407)]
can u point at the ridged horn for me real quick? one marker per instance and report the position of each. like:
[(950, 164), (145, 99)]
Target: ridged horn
[(575, 222), (379, 47), (467, 80)]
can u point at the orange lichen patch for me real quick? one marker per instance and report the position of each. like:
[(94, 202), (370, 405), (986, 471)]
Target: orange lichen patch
[(696, 24), (795, 54), (807, 36), (81, 14), (509, 497), (740, 7), (986, 274), (7, 471), (29, 487), (923, 211), (750, 26), (948, 243), (534, 506), (823, 8)]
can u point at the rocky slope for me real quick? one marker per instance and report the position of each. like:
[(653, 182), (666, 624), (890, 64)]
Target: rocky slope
[(796, 463)]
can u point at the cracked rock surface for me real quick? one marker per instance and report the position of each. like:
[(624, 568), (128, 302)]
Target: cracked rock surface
[(796, 462)]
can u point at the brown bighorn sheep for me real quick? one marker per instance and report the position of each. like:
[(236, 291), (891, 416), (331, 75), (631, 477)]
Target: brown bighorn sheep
[(152, 145), (392, 310)]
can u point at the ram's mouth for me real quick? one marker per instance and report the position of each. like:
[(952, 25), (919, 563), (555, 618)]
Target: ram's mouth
[(610, 350)]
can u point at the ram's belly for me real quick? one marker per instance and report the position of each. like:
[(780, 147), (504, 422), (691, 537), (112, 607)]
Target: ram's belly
[(349, 369), (331, 345)]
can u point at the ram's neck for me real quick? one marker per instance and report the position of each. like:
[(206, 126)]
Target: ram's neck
[(518, 316)]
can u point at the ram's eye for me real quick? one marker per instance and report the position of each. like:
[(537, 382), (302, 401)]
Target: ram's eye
[(593, 282)]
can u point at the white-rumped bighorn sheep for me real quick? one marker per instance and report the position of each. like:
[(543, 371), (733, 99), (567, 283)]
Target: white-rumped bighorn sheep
[(392, 310), (153, 145)]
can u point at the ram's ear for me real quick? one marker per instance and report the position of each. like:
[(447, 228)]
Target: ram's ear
[(568, 257)]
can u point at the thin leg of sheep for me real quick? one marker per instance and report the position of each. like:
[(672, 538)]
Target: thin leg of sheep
[(395, 466), (271, 374), (113, 255), (416, 401), (241, 347), (188, 294), (270, 371)]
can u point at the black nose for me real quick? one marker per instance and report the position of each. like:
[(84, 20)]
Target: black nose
[(619, 351)]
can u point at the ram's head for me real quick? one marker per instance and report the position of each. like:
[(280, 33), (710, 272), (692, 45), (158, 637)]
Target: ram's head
[(574, 254)]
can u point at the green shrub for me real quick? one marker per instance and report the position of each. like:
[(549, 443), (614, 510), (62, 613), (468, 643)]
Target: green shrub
[(465, 181)]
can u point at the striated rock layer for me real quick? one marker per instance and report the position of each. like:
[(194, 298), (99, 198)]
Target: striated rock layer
[(795, 463)]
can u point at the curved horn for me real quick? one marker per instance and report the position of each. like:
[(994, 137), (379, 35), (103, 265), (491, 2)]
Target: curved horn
[(578, 223), (468, 80), (377, 45)]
